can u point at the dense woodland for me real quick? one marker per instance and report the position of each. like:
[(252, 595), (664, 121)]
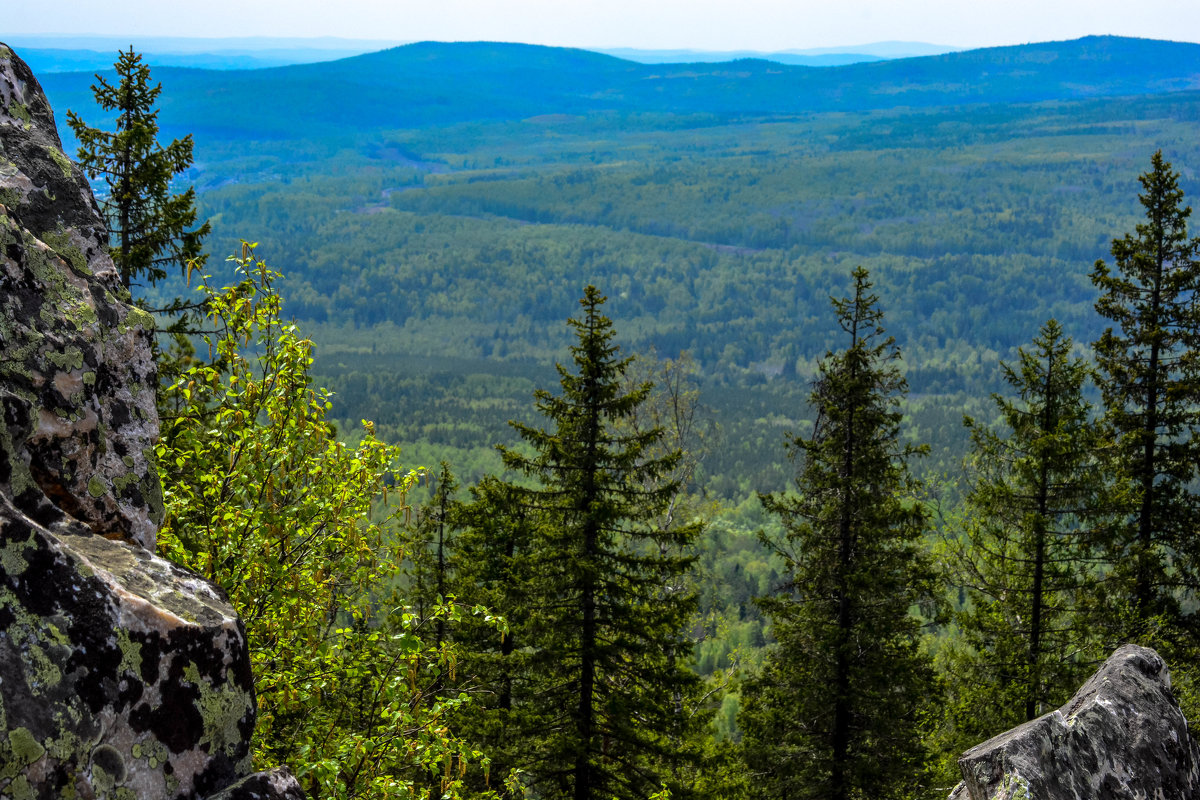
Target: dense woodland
[(745, 455)]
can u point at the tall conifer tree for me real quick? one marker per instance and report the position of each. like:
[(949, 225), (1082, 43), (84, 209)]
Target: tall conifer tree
[(151, 226), (431, 544), (1149, 365), (1027, 555), (601, 630), (489, 566), (834, 713)]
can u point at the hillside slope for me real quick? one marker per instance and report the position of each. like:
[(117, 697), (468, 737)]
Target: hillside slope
[(429, 84)]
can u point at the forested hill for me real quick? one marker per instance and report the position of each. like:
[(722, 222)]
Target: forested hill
[(438, 208), (432, 83)]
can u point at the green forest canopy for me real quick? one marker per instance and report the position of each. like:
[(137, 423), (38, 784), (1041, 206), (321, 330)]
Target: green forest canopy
[(433, 258)]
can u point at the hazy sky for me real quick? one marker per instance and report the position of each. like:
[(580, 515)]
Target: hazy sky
[(697, 24)]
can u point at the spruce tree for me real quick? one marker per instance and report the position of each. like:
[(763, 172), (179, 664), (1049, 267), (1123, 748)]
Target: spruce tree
[(489, 566), (431, 542), (696, 767), (601, 631), (1149, 365), (834, 712), (151, 227), (1026, 559)]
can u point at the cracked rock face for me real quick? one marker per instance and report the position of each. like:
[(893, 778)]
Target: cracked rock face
[(122, 676), (77, 372), (1122, 737)]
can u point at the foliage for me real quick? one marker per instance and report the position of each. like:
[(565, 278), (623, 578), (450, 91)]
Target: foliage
[(264, 500), (431, 540), (606, 597), (720, 233), (1149, 366), (443, 244), (1026, 552), (436, 256), (835, 712), (151, 226), (491, 565)]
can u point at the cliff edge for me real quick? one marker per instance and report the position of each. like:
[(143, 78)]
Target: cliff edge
[(122, 675)]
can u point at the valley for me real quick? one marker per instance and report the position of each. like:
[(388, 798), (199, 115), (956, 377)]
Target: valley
[(437, 210)]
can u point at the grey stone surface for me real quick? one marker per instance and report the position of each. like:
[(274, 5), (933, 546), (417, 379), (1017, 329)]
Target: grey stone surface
[(276, 784), (122, 676), (1122, 737), (77, 372)]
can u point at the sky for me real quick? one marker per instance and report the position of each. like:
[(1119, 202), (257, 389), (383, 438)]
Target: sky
[(764, 25)]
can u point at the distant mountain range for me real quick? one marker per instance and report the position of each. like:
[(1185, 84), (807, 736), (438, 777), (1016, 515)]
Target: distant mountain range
[(814, 57), (91, 53), (428, 84), (716, 57)]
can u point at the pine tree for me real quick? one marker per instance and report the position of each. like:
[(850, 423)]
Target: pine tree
[(1149, 365), (1027, 559), (834, 713), (489, 566), (431, 542), (601, 629), (151, 227)]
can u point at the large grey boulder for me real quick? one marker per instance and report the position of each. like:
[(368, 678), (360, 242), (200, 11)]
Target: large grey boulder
[(1122, 737), (122, 676)]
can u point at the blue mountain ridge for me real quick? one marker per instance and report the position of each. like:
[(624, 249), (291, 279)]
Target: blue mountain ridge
[(432, 83)]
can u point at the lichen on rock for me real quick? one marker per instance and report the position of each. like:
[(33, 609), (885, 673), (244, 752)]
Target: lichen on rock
[(62, 319), (118, 670), (122, 676), (276, 784)]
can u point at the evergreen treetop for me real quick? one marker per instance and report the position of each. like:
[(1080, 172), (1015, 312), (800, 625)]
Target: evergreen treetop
[(151, 227), (1026, 553), (1149, 368), (835, 712), (605, 675)]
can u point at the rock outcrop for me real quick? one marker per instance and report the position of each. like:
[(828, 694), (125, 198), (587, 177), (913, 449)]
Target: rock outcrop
[(77, 371), (1122, 737), (122, 675)]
